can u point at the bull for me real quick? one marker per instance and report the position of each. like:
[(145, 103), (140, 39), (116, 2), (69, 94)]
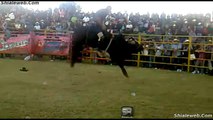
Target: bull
[(118, 48)]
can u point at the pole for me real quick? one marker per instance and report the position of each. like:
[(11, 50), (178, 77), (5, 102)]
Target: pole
[(189, 53), (139, 41)]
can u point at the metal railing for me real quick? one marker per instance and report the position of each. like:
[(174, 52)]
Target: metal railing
[(168, 39)]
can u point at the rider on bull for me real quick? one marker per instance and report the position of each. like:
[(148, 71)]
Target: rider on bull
[(99, 18)]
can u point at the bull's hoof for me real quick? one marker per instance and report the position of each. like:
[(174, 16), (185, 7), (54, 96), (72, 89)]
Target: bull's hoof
[(126, 76), (71, 65), (125, 73)]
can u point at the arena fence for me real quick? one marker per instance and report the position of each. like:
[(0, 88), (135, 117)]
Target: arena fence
[(169, 51), (160, 50)]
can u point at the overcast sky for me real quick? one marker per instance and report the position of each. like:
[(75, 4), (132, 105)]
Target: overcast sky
[(134, 7)]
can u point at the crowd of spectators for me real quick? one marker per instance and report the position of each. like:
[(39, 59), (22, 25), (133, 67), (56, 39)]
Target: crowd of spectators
[(62, 19)]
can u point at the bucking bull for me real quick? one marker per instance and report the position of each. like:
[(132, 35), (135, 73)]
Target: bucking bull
[(118, 48)]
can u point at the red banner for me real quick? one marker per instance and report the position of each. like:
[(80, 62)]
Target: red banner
[(33, 43), (16, 44), (51, 44)]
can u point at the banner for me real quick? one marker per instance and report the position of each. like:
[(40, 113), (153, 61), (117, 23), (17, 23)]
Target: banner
[(17, 44), (51, 45), (36, 44)]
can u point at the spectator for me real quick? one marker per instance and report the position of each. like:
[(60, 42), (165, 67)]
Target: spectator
[(168, 53), (199, 61), (158, 53), (176, 46), (37, 26), (58, 27), (151, 53), (129, 27), (145, 52), (209, 56)]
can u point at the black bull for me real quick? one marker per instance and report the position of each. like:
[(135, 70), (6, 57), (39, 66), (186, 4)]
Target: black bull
[(119, 50)]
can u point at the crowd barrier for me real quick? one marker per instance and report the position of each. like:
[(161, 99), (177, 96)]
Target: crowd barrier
[(58, 44), (37, 43), (189, 61)]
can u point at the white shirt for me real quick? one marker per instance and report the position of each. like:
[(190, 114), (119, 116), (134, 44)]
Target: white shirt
[(145, 51), (177, 47), (159, 50), (129, 26), (146, 25), (37, 27), (86, 19), (11, 16)]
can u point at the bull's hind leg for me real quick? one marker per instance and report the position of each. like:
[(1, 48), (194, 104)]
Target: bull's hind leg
[(72, 62), (123, 70), (73, 56)]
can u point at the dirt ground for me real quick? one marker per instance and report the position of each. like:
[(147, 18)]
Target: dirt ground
[(54, 90)]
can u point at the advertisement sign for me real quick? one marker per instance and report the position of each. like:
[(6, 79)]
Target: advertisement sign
[(35, 44), (19, 44), (51, 45)]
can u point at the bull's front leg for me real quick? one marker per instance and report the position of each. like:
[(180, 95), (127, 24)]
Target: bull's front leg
[(121, 65), (124, 71)]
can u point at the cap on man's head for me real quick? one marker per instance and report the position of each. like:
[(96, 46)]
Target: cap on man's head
[(176, 40), (186, 41)]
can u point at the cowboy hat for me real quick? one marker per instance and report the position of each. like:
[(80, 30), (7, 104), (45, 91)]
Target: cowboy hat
[(176, 40)]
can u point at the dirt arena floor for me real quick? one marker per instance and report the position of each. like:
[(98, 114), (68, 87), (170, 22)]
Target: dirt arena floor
[(54, 90)]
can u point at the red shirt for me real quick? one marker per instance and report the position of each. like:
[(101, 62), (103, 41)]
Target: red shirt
[(205, 31), (201, 55)]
